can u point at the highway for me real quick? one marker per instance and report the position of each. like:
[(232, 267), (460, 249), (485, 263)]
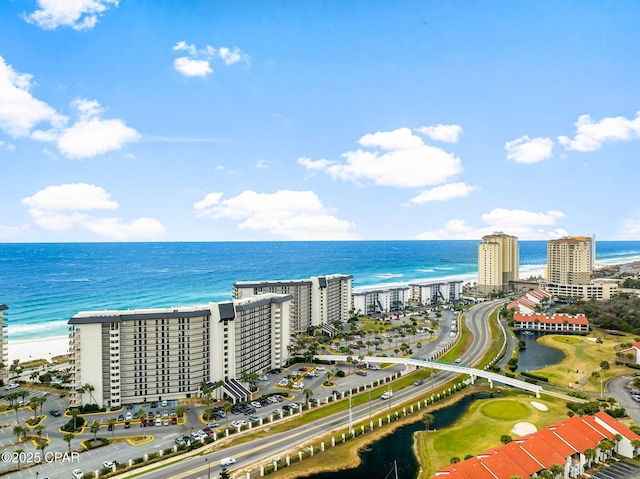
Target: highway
[(273, 445)]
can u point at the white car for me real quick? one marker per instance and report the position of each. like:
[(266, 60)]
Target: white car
[(277, 411), (107, 464), (227, 461), (77, 474), (14, 386), (129, 416), (273, 399), (320, 368), (386, 395), (263, 378), (256, 404)]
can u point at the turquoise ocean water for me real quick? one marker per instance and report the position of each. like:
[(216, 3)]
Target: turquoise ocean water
[(45, 284)]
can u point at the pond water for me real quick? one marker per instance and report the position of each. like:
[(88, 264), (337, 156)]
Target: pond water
[(378, 459), (536, 356)]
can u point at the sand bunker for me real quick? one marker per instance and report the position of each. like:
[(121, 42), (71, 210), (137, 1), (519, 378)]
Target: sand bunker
[(523, 428), (592, 339), (539, 406)]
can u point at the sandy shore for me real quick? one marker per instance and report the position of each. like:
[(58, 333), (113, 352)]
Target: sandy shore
[(38, 348)]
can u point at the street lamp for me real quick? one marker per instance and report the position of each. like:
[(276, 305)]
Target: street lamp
[(206, 459)]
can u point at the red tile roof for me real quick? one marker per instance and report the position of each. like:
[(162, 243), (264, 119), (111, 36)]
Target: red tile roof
[(541, 450), (555, 319)]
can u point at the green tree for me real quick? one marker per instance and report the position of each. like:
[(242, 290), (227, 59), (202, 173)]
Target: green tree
[(68, 437), (95, 427), (224, 474), (18, 430), (308, 392), (427, 420), (181, 411), (15, 407), (604, 365), (75, 413), (505, 439), (454, 459), (226, 407), (112, 422), (18, 452)]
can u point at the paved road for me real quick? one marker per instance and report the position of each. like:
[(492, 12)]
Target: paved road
[(616, 388), (273, 445)]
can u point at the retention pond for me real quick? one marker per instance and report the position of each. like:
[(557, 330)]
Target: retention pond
[(536, 356), (378, 458)]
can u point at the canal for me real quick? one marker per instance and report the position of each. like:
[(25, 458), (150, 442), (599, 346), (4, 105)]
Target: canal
[(378, 458)]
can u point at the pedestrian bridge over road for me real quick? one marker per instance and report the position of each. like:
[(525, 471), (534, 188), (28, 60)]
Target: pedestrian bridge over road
[(444, 366)]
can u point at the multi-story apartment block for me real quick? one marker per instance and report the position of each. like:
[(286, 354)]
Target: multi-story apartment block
[(598, 290), (4, 344), (380, 300), (570, 260), (317, 301), (145, 355), (498, 262), (434, 292)]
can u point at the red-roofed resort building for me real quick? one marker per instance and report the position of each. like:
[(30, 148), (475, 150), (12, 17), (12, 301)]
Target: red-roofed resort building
[(555, 323), (571, 444)]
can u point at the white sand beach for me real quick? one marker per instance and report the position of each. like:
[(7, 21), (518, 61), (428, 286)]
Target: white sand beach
[(45, 348)]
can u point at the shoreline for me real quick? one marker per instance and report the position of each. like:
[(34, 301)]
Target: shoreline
[(41, 348), (49, 347)]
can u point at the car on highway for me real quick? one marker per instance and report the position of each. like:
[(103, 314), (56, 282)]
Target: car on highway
[(227, 461), (458, 360), (387, 395), (419, 382), (13, 386)]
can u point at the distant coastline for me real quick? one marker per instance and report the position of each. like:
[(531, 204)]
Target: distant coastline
[(46, 284)]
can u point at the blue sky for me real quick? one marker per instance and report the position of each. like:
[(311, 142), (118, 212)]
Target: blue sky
[(212, 121)]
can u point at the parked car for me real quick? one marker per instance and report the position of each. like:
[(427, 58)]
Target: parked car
[(13, 386), (180, 441), (121, 417), (108, 464), (361, 372), (55, 413), (165, 422), (254, 418), (129, 416), (174, 420), (77, 474)]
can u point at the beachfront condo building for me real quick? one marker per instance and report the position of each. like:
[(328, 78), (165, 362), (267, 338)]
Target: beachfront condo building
[(379, 300), (4, 344), (317, 301), (570, 260), (136, 356), (498, 262), (435, 292)]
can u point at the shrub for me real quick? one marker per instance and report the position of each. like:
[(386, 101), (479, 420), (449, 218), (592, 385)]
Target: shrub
[(340, 373), (537, 377), (138, 460)]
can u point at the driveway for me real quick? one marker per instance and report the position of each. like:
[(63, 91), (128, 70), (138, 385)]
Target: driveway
[(616, 389)]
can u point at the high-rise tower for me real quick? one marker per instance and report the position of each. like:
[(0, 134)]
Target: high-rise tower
[(570, 259), (498, 262)]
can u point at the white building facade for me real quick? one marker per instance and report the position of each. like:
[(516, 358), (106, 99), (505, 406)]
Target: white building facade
[(380, 300), (433, 292), (137, 356), (316, 301)]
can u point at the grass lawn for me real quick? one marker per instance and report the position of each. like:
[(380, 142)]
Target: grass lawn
[(481, 427), (584, 355)]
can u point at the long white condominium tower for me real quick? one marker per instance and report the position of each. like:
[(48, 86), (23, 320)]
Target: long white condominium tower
[(316, 301), (136, 356), (570, 259), (498, 262)]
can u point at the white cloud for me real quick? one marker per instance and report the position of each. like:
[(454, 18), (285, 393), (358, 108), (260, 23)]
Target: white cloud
[(182, 45), (527, 150), (90, 135), (198, 62), (444, 133), (64, 207), (20, 112), (263, 163), (526, 225), (294, 215), (444, 193), (71, 197), (406, 163), (592, 135), (210, 200), (229, 57), (192, 68), (77, 14)]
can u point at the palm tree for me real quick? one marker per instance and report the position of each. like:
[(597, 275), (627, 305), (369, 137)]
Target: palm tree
[(556, 470), (139, 414), (18, 453), (428, 419), (68, 437), (308, 392), (81, 390), (38, 429), (18, 430), (289, 384), (590, 455), (635, 443), (42, 444), (15, 407), (617, 438), (95, 427), (226, 407), (75, 412), (89, 389), (112, 422)]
